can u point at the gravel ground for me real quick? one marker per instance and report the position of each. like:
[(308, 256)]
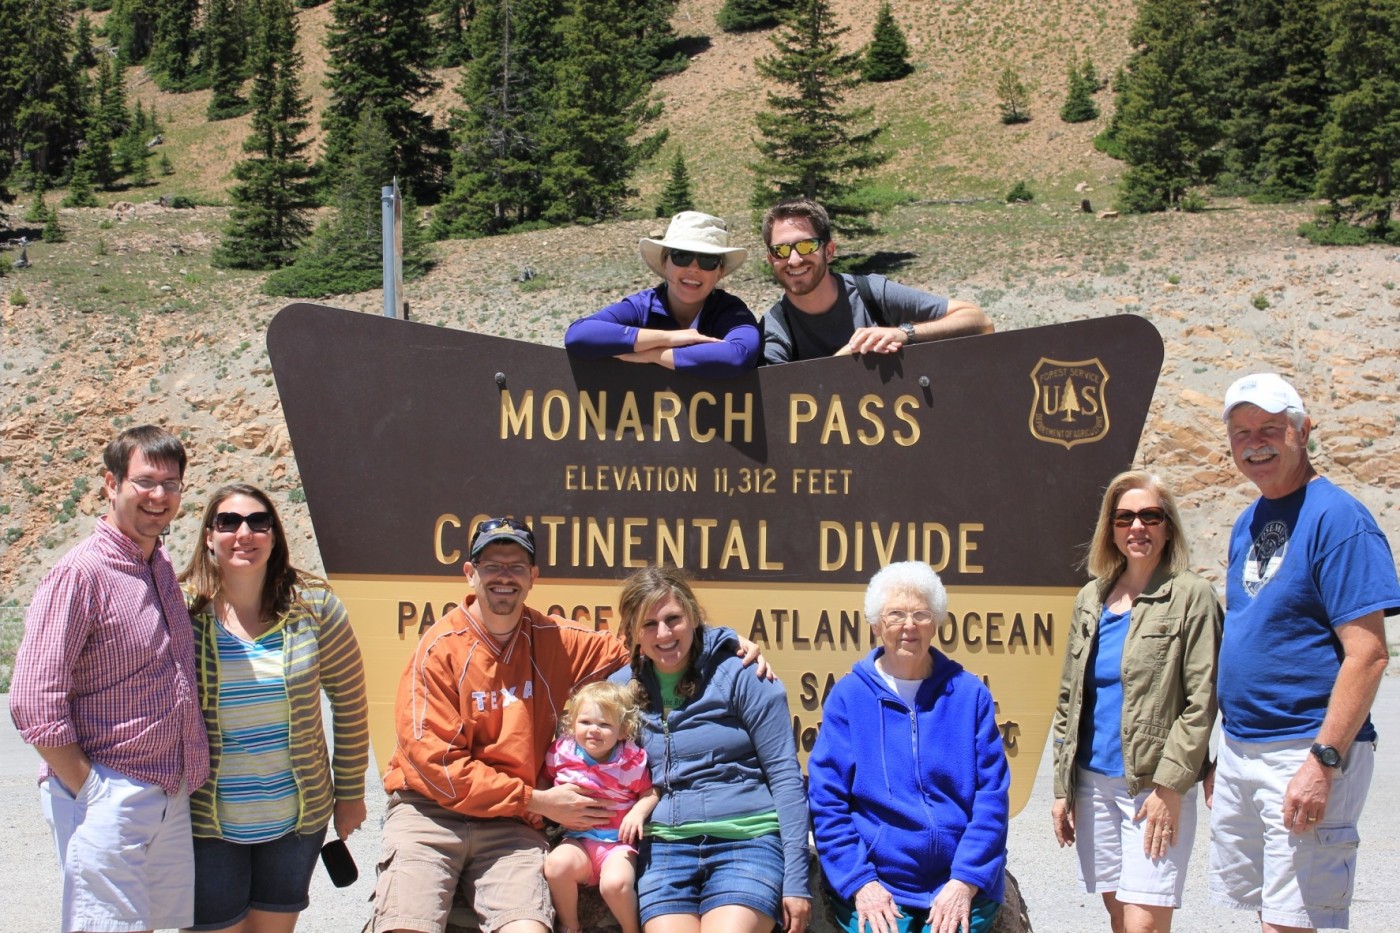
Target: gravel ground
[(1045, 872)]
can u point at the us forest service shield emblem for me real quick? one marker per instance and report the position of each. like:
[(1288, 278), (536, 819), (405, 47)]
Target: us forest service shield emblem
[(1070, 405)]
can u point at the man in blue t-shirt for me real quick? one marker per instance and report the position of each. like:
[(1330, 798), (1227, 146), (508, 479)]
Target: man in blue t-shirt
[(1311, 577), (824, 314)]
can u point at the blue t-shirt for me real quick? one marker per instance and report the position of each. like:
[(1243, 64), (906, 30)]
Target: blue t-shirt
[(1300, 566), (1102, 750)]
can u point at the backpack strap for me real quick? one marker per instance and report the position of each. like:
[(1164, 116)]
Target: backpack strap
[(867, 295)]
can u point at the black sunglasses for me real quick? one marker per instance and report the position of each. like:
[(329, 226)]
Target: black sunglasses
[(680, 258), (1123, 518), (804, 248), (258, 522)]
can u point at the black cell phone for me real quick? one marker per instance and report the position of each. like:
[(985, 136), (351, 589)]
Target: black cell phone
[(335, 855)]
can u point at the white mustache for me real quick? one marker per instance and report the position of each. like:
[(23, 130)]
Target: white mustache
[(1258, 451)]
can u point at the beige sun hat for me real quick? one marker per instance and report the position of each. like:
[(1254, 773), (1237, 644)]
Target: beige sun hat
[(700, 233)]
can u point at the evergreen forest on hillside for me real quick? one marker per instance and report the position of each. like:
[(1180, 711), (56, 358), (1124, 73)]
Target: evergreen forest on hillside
[(554, 109)]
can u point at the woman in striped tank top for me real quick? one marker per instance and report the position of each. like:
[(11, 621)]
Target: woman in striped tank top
[(269, 639)]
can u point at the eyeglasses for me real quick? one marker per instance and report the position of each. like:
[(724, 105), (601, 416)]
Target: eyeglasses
[(1124, 518), (493, 569), (227, 522), (899, 616), (172, 487), (804, 248), (680, 258)]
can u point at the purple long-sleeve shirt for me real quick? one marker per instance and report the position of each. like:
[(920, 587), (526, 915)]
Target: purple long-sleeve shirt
[(613, 331), (107, 662)]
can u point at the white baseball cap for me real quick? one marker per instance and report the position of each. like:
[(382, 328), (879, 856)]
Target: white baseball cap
[(1266, 390)]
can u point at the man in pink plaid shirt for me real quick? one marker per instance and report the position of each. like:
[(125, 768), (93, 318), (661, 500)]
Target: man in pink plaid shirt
[(104, 689)]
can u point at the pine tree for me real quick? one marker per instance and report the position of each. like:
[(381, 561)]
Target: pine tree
[(164, 165), (651, 39), (748, 15), (380, 54), (1014, 96), (83, 56), (597, 104), (131, 27), (808, 145), (53, 230), (1166, 123), (272, 202), (174, 46), (224, 43), (345, 253), (1274, 91), (40, 117), (38, 212), (453, 19), (497, 178), (887, 57), (676, 196), (1359, 153), (80, 184), (1079, 106)]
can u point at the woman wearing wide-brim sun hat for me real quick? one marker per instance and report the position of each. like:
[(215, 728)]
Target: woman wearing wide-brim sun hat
[(685, 323)]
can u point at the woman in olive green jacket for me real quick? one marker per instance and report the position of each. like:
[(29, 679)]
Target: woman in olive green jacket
[(1136, 706)]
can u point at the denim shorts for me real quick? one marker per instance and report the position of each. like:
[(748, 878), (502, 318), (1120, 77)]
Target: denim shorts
[(232, 878), (696, 875)]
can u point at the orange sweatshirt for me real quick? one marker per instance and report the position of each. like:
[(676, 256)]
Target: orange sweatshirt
[(474, 717)]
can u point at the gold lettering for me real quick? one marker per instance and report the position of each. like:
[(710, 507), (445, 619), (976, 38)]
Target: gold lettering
[(825, 559), (444, 520), (704, 524), (631, 540), (733, 415), (552, 523), (945, 545), (669, 542), (802, 409), (763, 562), (553, 431), (902, 406), (836, 423), (518, 420), (966, 545), (734, 547), (868, 402), (601, 538), (666, 406), (590, 415), (694, 413)]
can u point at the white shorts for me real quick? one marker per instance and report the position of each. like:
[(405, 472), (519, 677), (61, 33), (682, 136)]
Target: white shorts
[(1256, 864), (1109, 843), (125, 852)]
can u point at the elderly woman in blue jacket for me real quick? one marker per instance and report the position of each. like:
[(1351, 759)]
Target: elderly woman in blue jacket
[(908, 780), (726, 848)]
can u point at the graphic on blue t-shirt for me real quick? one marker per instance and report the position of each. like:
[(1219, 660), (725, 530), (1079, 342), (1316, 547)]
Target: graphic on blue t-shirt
[(1265, 556)]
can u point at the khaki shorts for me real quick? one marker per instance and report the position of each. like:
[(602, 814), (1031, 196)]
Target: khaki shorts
[(427, 848)]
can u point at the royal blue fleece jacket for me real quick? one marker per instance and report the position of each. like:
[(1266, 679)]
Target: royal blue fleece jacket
[(910, 798)]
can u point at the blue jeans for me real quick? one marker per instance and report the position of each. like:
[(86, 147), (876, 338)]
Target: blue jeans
[(696, 875), (231, 878)]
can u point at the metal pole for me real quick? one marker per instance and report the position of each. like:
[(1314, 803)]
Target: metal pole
[(388, 201)]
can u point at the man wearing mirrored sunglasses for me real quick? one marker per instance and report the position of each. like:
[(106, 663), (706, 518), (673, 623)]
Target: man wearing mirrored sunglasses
[(104, 690), (1310, 580), (477, 708), (823, 313)]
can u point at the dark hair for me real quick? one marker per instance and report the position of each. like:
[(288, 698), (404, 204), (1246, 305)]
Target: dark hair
[(641, 592), (204, 580), (156, 444), (797, 209)]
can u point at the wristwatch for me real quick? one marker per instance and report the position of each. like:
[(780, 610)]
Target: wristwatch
[(908, 332), (1326, 754)]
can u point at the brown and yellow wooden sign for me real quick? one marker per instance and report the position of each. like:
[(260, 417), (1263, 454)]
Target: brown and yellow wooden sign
[(780, 492)]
